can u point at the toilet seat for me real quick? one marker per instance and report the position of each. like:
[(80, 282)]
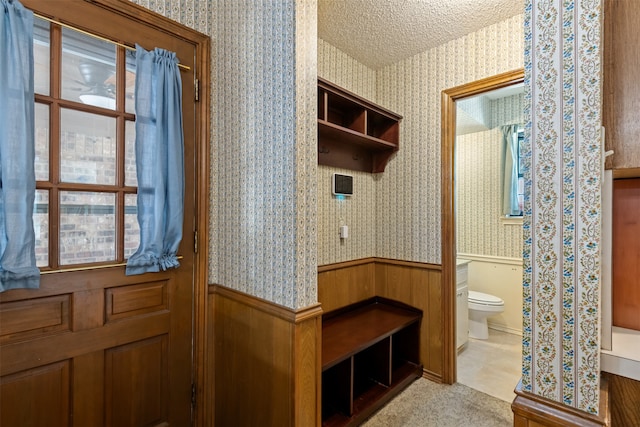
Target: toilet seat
[(485, 299)]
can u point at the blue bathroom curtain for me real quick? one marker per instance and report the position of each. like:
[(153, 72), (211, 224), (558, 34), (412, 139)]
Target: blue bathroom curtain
[(159, 161), (17, 149), (510, 205)]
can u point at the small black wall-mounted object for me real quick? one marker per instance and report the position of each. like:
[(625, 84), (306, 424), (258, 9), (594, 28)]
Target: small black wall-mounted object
[(342, 185)]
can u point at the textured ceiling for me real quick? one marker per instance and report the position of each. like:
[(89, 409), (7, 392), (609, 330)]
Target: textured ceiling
[(381, 32)]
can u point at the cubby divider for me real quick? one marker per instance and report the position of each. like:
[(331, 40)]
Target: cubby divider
[(370, 352), (354, 133)]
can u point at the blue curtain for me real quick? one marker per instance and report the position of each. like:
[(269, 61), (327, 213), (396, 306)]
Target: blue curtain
[(159, 161), (17, 149), (510, 170)]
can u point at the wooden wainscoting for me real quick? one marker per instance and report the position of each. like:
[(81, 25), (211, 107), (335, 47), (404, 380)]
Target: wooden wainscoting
[(413, 283), (267, 361), (345, 283)]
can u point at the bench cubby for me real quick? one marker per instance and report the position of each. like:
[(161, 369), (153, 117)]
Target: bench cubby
[(370, 352)]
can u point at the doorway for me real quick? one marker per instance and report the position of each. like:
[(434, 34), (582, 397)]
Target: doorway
[(448, 212)]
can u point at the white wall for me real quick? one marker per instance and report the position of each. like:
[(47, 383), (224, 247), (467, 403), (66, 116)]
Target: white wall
[(501, 277)]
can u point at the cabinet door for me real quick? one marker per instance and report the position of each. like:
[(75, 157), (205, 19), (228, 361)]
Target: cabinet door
[(626, 253)]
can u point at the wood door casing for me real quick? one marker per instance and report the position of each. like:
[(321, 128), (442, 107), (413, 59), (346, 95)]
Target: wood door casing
[(96, 347), (626, 253), (448, 231)]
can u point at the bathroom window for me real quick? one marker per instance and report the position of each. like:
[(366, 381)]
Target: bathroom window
[(519, 188), (520, 193)]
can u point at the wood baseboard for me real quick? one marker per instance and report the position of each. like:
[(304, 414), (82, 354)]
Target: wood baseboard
[(531, 410), (432, 376)]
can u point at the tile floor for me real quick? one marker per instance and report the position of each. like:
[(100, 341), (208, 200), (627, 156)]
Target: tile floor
[(492, 366)]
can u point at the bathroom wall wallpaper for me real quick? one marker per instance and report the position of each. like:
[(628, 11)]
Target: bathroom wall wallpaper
[(408, 192), (264, 165), (358, 212), (562, 215), (478, 176)]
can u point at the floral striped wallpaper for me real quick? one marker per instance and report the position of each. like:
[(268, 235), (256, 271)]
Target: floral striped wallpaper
[(263, 162), (341, 69), (479, 230), (358, 212), (562, 211), (191, 13), (408, 196)]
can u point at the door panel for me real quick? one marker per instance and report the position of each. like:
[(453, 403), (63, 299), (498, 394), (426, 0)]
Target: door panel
[(626, 253), (94, 346), (47, 389), (136, 383)]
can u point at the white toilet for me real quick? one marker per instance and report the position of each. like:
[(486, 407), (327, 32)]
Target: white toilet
[(481, 306)]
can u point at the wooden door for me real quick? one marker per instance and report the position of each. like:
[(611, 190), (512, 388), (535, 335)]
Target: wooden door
[(626, 253), (92, 346)]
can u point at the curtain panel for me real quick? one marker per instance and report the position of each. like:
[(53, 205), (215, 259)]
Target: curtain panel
[(159, 150), (17, 149), (510, 171)]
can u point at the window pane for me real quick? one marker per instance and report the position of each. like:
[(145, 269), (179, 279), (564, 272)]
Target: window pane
[(41, 227), (87, 148), (131, 227), (88, 69), (130, 105), (87, 227), (42, 142), (41, 54), (130, 178)]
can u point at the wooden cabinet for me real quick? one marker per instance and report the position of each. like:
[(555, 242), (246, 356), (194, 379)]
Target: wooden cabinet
[(620, 92), (354, 133), (370, 352), (626, 253)]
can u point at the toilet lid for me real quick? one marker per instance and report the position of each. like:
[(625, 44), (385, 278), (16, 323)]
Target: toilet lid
[(486, 299)]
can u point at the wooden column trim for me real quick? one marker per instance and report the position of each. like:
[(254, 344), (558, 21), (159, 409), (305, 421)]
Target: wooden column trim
[(297, 369), (537, 410), (276, 310)]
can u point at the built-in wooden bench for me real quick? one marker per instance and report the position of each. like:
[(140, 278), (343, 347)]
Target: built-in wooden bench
[(370, 352)]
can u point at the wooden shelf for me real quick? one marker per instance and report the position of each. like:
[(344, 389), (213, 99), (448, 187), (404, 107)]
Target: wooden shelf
[(354, 133), (370, 352)]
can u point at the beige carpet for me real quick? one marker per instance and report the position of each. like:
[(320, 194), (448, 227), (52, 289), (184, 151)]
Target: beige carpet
[(425, 403)]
